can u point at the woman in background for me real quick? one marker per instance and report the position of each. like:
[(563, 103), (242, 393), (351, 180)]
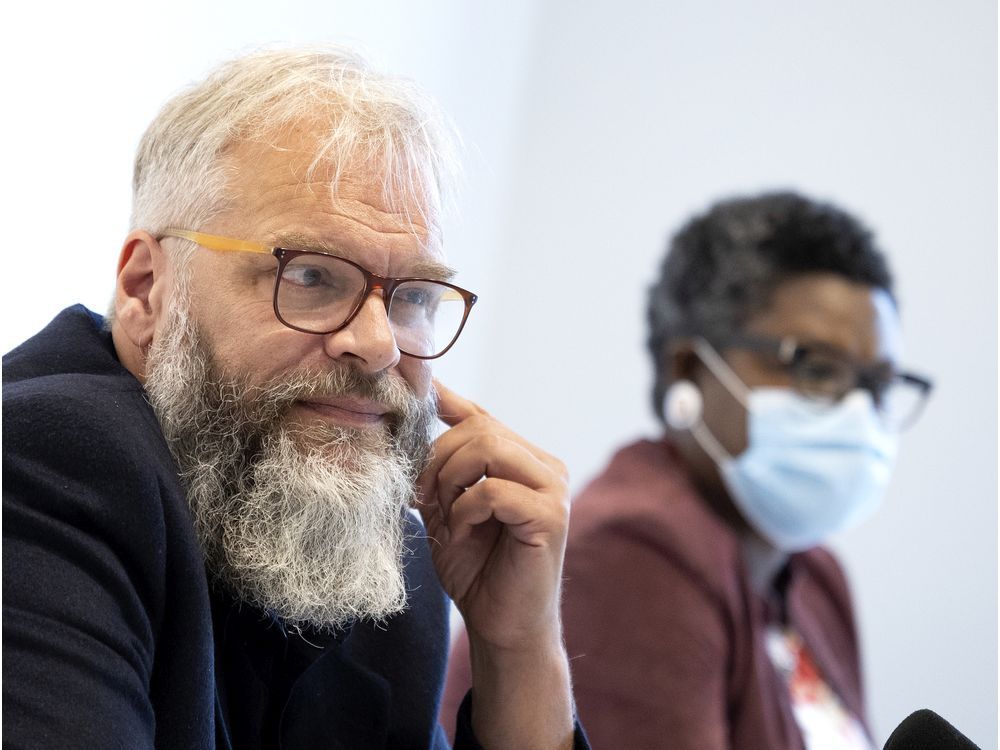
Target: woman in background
[(699, 609)]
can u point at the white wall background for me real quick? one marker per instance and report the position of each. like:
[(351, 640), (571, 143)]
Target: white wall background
[(594, 128)]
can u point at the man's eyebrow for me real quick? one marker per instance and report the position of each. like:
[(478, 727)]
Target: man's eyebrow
[(425, 269), (298, 241), (430, 269)]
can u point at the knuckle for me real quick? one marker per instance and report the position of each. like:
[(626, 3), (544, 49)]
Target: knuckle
[(561, 471), (489, 442), (491, 489), (564, 504), (559, 477)]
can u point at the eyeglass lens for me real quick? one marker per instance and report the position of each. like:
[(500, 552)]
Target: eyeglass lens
[(319, 293), (827, 378)]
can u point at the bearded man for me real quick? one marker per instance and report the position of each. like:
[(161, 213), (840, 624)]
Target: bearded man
[(208, 534)]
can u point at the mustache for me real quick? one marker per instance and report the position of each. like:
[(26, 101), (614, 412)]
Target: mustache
[(273, 398)]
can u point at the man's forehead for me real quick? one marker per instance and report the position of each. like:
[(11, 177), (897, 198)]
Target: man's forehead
[(292, 193)]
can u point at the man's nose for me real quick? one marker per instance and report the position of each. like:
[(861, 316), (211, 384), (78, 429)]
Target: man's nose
[(368, 339)]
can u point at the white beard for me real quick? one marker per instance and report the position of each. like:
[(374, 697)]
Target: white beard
[(304, 522)]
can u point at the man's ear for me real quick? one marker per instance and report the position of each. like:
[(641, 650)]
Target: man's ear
[(142, 289)]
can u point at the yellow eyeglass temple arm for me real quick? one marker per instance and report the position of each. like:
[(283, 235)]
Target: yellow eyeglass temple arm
[(215, 242)]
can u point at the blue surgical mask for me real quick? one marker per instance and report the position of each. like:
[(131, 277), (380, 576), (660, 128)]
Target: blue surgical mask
[(809, 470)]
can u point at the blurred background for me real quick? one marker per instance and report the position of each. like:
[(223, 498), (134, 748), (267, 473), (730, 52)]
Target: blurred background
[(592, 130)]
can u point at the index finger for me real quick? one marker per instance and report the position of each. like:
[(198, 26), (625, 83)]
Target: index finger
[(452, 408)]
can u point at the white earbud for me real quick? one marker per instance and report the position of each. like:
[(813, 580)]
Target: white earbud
[(682, 405)]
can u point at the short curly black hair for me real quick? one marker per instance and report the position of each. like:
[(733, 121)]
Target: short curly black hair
[(722, 266)]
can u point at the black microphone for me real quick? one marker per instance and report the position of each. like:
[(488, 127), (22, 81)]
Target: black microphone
[(925, 730)]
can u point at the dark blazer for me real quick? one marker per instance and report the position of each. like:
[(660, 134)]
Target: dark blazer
[(108, 630)]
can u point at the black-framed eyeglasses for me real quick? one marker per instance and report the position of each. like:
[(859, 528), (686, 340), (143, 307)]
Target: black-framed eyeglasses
[(317, 292), (826, 374)]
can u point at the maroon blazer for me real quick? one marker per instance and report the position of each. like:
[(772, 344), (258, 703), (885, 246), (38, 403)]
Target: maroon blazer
[(664, 633)]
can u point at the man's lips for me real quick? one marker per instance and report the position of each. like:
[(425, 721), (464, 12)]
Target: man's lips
[(347, 410)]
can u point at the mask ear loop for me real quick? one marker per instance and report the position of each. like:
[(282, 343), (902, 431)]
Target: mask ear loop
[(722, 371), (710, 444), (682, 403)]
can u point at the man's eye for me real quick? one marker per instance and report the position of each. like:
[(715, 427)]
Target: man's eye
[(414, 296), (317, 279), (306, 276)]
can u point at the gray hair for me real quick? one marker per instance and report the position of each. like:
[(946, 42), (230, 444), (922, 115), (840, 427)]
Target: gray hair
[(369, 118), (722, 267)]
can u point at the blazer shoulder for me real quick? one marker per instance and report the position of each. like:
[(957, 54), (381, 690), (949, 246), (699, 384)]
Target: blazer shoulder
[(98, 423), (89, 456), (644, 500)]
